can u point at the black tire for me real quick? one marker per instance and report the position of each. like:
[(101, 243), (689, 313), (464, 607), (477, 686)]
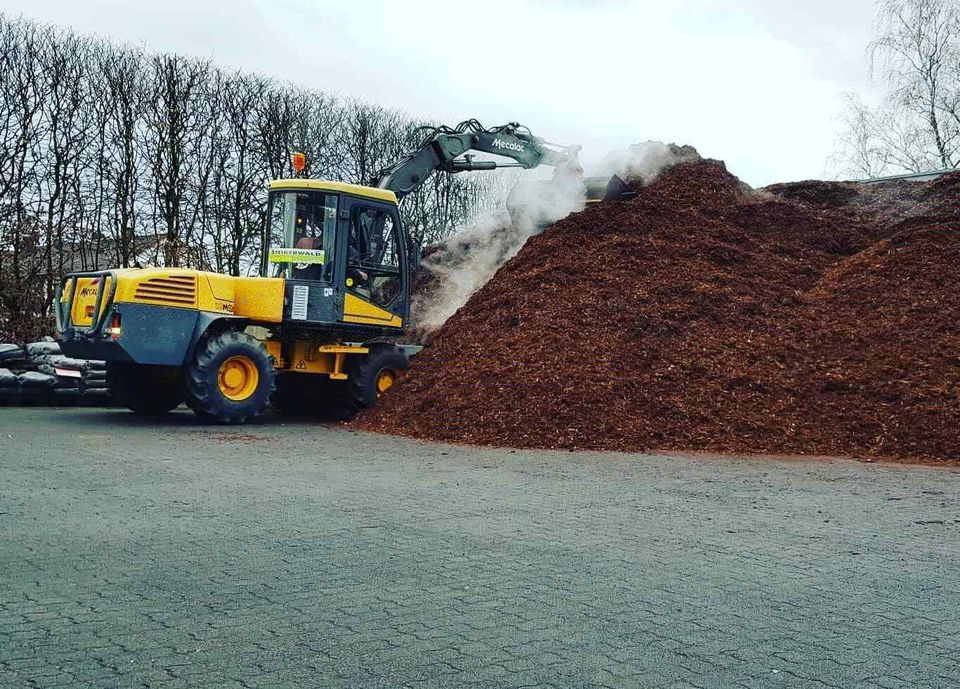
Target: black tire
[(365, 372), (145, 390), (209, 391)]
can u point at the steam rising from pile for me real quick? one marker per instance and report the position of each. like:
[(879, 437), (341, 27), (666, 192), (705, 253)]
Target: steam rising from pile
[(452, 271), (462, 265), (645, 161)]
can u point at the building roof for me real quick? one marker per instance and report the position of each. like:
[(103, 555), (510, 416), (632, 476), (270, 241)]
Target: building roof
[(910, 176)]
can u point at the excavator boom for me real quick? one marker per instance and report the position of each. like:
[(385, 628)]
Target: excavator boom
[(451, 149)]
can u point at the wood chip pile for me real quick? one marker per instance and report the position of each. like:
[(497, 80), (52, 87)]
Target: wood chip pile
[(808, 318)]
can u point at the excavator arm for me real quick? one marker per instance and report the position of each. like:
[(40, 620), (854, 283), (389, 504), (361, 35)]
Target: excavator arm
[(450, 149)]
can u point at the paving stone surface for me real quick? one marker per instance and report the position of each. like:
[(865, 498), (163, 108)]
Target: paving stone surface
[(169, 554)]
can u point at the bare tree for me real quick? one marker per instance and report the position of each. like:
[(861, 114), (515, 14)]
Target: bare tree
[(21, 136), (876, 141), (916, 55), (239, 176), (124, 102), (67, 131), (276, 115), (916, 51), (178, 127), (373, 137)]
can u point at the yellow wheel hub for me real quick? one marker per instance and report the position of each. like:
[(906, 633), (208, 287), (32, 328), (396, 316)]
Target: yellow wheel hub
[(238, 378), (385, 380)]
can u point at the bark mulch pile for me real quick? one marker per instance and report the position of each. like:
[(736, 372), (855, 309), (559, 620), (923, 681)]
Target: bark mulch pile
[(810, 318)]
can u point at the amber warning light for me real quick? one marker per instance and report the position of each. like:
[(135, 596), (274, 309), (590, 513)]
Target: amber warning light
[(299, 161)]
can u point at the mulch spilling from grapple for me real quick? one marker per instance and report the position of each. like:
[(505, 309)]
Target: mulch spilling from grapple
[(809, 318)]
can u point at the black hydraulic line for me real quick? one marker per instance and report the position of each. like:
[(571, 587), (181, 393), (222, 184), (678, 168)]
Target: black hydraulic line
[(444, 148)]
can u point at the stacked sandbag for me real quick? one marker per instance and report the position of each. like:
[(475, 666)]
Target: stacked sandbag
[(69, 373), (13, 360), (35, 387), (11, 355), (93, 383), (58, 364), (40, 374), (45, 358), (38, 350), (8, 386), (80, 381)]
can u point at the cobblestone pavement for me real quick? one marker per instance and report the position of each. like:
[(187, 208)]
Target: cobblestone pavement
[(294, 555)]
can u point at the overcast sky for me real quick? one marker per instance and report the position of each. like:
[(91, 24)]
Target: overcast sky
[(756, 83)]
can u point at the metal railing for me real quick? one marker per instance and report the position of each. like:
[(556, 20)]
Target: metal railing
[(101, 308)]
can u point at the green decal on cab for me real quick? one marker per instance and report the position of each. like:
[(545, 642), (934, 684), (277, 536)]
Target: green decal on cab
[(296, 256)]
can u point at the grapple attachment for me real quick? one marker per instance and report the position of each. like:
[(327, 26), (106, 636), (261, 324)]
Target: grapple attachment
[(544, 202), (607, 189)]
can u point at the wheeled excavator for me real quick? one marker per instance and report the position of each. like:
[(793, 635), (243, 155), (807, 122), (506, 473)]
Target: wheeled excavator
[(317, 326)]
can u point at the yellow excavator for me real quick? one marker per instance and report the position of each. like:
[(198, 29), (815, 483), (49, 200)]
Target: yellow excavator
[(317, 327)]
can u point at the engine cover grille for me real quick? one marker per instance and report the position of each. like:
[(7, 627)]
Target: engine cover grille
[(173, 290)]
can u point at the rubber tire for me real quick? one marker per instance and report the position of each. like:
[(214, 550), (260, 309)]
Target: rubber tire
[(203, 391), (145, 390), (361, 389)]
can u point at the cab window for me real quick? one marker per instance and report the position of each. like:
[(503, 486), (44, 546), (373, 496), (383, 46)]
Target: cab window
[(373, 258), (302, 227)]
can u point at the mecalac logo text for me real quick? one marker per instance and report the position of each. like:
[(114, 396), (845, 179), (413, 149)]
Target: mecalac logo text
[(501, 144)]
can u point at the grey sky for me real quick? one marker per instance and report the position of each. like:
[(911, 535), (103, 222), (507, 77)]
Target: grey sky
[(753, 82)]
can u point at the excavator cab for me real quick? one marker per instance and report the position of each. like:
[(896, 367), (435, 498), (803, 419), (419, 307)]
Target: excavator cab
[(342, 252)]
